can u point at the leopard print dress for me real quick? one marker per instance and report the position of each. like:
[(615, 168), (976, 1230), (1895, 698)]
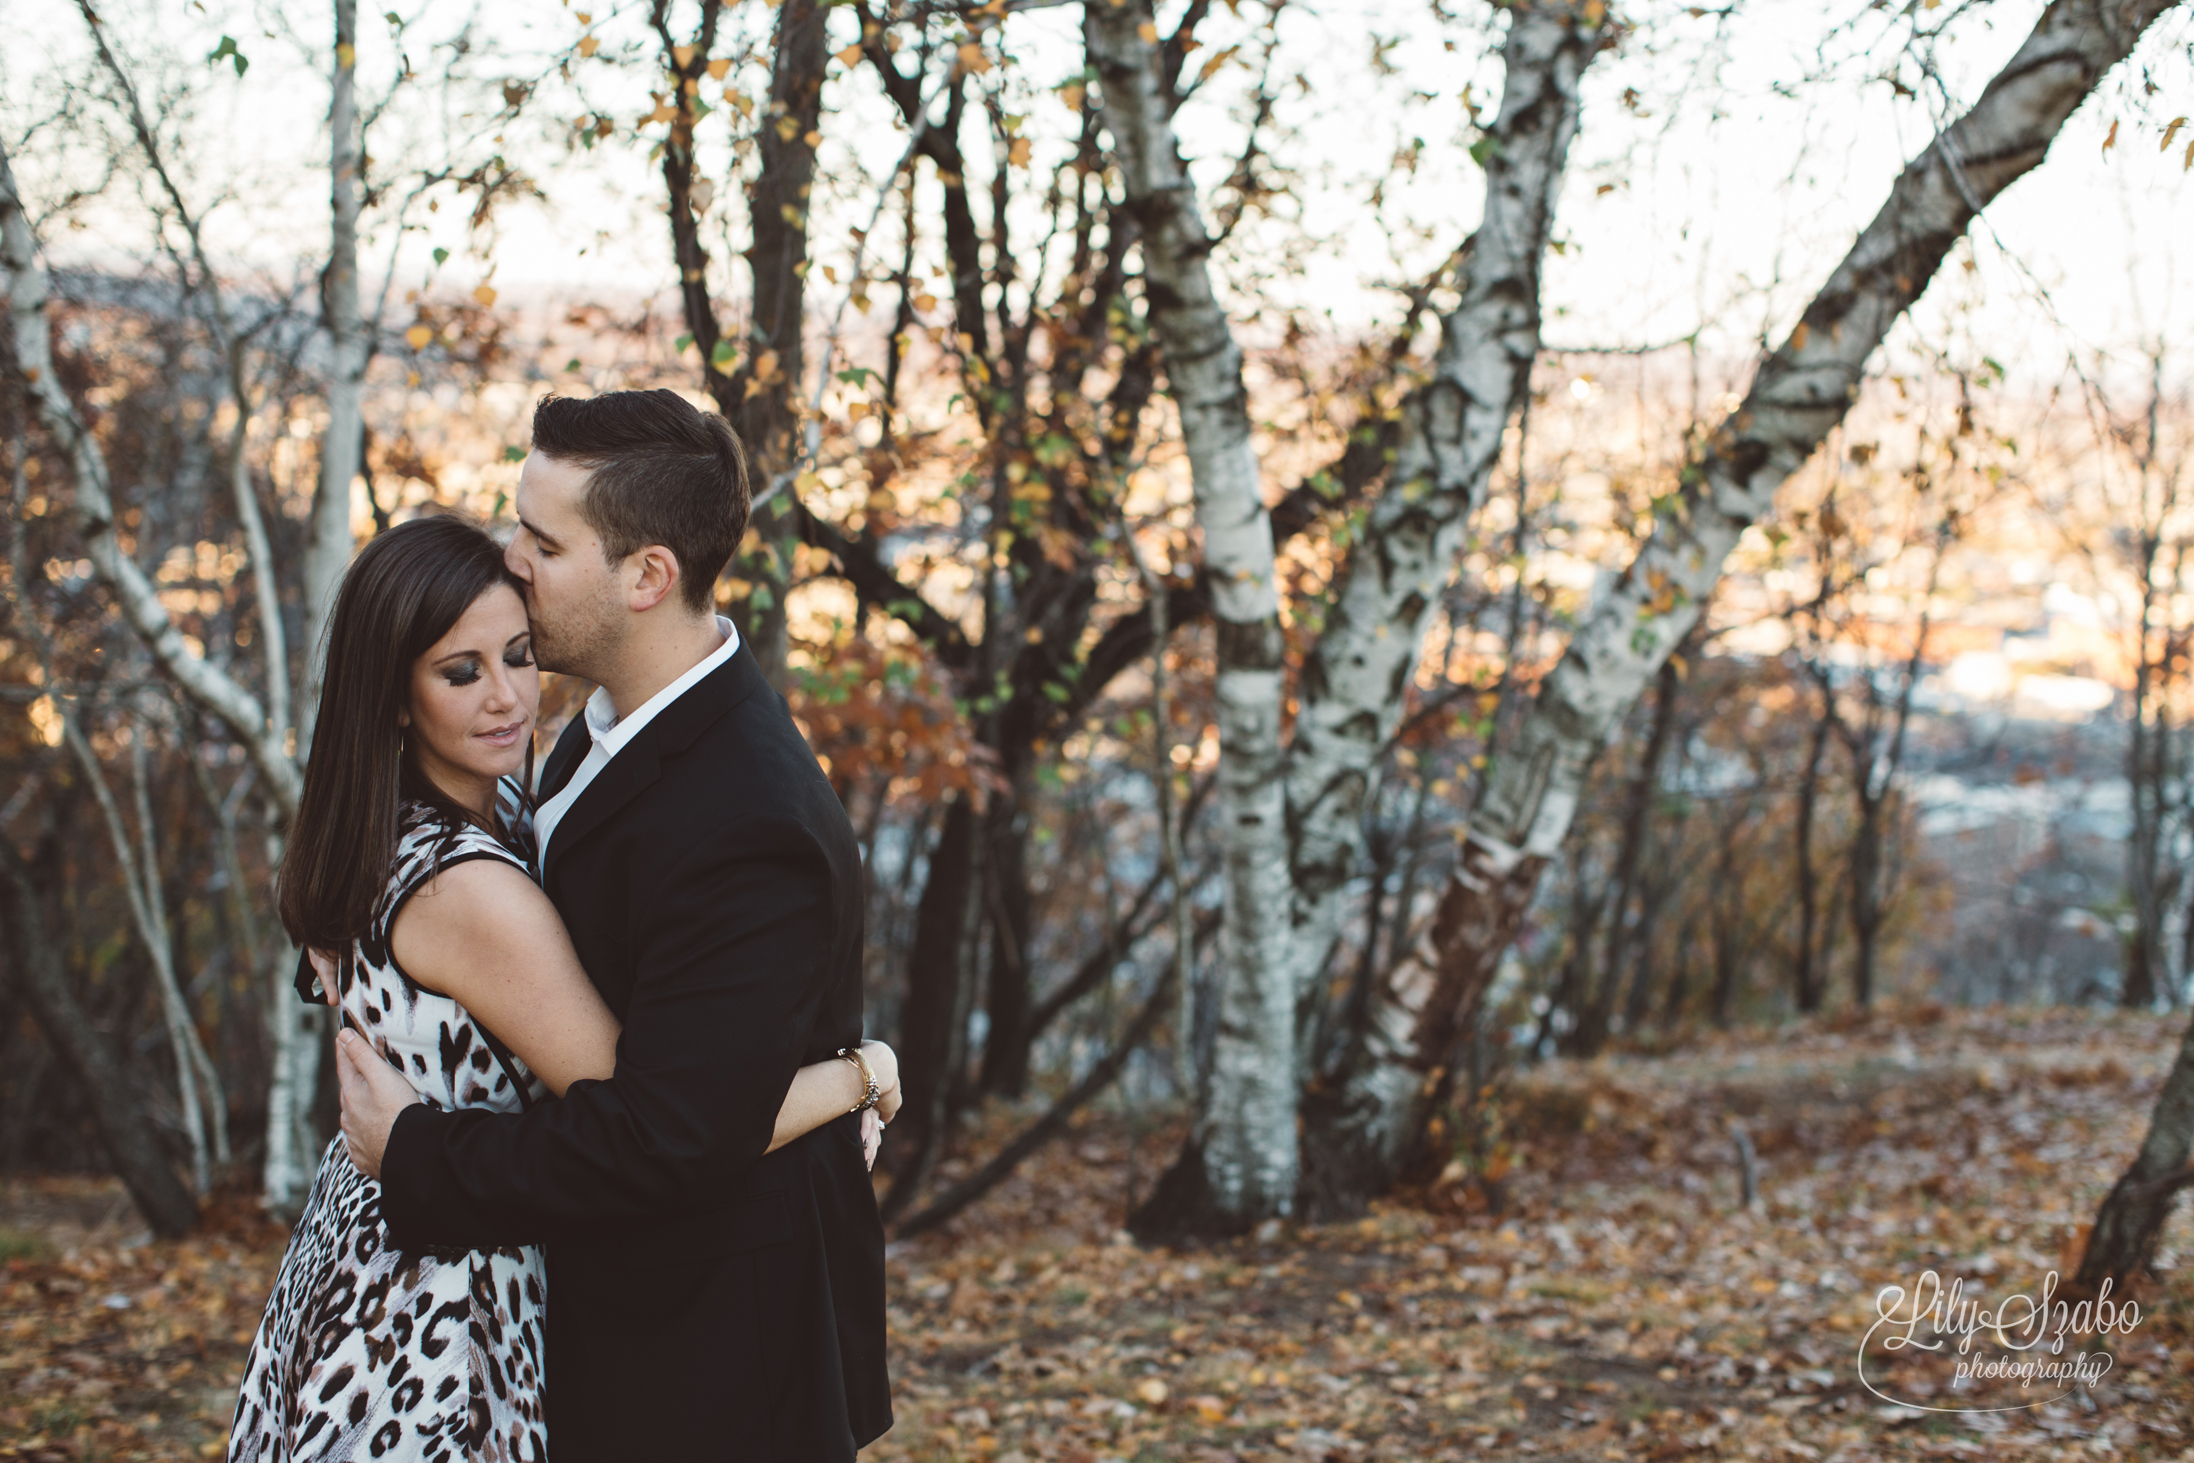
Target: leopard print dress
[(368, 1352)]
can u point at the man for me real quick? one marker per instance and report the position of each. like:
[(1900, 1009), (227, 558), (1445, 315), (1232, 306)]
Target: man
[(707, 1301)]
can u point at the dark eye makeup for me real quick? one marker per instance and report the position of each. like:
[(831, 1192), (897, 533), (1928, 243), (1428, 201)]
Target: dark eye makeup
[(466, 672)]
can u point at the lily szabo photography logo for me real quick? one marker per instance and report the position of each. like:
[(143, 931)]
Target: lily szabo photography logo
[(2043, 1346)]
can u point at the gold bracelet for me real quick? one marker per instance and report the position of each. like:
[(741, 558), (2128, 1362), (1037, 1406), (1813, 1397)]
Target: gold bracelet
[(875, 1092)]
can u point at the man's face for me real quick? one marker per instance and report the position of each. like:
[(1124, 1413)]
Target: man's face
[(573, 592)]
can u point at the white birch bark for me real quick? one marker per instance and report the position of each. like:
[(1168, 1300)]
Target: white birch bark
[(273, 648), (1244, 1139), (1802, 390), (328, 536), (294, 1032), (148, 912), (299, 1035), (156, 908), (299, 1032), (23, 282), (1355, 679)]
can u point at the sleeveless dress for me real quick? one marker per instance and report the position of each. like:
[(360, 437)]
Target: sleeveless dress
[(367, 1352)]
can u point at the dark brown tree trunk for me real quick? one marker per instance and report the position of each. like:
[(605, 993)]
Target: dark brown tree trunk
[(2133, 1213), (1866, 897), (1806, 982), (1638, 1000), (2144, 777), (132, 1145), (1598, 1011), (1679, 978), (756, 382), (771, 376), (933, 1024), (1011, 994), (1572, 995)]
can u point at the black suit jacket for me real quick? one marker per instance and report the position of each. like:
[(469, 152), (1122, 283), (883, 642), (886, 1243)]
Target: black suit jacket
[(705, 1300)]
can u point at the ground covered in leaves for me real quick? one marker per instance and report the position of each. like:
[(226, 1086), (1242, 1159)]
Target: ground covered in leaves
[(1611, 1297)]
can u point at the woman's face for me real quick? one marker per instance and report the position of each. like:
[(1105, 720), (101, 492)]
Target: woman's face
[(474, 695)]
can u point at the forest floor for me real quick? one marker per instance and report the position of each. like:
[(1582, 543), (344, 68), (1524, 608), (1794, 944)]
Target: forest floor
[(1620, 1303)]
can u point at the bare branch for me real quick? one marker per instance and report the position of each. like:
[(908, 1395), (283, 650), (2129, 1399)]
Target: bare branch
[(23, 279)]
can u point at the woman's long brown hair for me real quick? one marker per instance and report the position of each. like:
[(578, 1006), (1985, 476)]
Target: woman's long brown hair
[(402, 593)]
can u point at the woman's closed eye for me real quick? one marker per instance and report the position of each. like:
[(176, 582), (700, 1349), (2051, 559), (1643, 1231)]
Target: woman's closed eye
[(466, 672)]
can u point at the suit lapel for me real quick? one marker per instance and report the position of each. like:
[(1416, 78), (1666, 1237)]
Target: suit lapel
[(632, 769), (640, 761), (564, 758)]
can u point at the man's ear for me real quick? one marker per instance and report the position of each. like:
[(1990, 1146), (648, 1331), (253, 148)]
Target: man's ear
[(653, 572)]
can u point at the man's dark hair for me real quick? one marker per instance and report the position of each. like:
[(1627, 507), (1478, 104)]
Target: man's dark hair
[(661, 472)]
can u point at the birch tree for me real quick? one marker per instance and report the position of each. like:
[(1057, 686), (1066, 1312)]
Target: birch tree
[(1801, 391), (1241, 1157), (327, 532), (1293, 816), (274, 728)]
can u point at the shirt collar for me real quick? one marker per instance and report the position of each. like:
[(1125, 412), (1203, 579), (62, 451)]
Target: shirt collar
[(611, 734)]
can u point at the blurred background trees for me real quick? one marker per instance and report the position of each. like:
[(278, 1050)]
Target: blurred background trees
[(1323, 562)]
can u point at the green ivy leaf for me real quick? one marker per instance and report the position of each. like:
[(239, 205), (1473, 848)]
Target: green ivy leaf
[(227, 51)]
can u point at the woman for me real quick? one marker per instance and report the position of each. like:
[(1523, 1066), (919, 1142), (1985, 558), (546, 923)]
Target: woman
[(412, 830)]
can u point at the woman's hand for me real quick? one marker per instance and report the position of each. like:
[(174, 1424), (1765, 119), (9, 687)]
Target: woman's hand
[(884, 1062), (323, 965), (872, 1137)]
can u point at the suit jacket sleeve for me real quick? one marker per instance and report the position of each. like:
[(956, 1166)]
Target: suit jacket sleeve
[(726, 989)]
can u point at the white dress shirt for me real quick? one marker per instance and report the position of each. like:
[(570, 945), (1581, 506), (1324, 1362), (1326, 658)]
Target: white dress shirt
[(610, 735)]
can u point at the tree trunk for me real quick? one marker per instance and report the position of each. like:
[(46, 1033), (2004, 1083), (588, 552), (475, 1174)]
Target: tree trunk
[(1865, 914), (2144, 779), (1728, 909), (1661, 883), (2133, 1213), (23, 282), (1239, 1165), (769, 415), (328, 538), (1572, 988), (1011, 991), (1645, 787), (756, 383), (1800, 393), (148, 911), (1805, 978), (1874, 769), (1357, 1128), (933, 1024), (132, 1145), (1357, 675)]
